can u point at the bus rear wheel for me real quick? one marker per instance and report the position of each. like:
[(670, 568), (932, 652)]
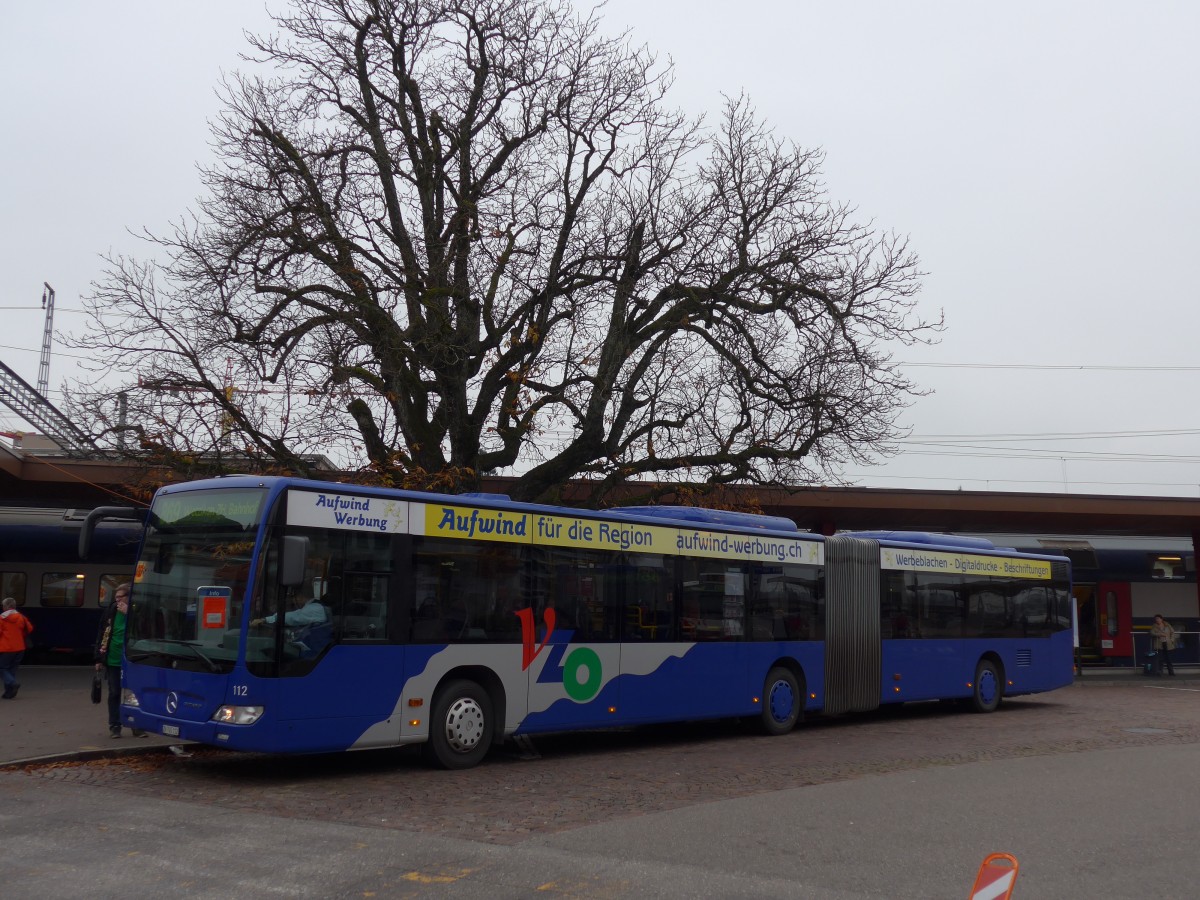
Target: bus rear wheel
[(989, 687), (782, 702), (460, 728)]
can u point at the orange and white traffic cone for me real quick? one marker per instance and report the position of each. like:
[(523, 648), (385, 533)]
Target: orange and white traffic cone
[(996, 878)]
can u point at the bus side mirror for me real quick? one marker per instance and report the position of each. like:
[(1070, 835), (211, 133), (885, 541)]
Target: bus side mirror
[(293, 563), (92, 519), (165, 560)]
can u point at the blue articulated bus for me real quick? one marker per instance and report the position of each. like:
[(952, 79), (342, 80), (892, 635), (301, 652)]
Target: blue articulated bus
[(286, 615)]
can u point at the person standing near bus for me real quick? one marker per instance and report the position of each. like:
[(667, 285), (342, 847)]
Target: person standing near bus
[(110, 645), (1162, 639), (14, 631)]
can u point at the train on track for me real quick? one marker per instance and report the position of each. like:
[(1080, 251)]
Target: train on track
[(61, 596), (1120, 582)]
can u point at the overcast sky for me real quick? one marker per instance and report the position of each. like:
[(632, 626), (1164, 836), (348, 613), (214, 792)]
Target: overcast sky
[(1041, 158)]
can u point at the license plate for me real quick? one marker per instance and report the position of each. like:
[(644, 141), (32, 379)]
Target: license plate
[(171, 730)]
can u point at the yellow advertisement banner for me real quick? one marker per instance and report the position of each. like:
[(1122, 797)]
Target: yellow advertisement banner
[(751, 548), (940, 562), (471, 523), (601, 534)]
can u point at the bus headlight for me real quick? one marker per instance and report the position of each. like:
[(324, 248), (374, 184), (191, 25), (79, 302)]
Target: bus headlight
[(238, 715), (129, 698)]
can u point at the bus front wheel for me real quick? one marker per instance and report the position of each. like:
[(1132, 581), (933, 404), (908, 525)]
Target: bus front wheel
[(782, 701), (460, 728), (989, 687)]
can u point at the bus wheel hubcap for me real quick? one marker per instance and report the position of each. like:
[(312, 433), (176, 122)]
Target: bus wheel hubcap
[(987, 687), (782, 701), (464, 725)]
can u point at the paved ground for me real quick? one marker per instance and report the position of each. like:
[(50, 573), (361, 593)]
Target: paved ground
[(601, 776), (53, 717), (1092, 787)]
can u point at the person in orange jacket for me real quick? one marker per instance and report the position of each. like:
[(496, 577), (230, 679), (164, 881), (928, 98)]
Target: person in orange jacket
[(14, 630)]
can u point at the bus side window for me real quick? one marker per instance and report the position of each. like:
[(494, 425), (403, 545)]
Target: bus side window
[(427, 620), (364, 616), (897, 620), (165, 561)]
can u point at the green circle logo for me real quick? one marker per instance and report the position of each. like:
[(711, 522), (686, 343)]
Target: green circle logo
[(581, 674)]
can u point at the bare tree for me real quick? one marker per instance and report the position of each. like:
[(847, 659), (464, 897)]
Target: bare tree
[(448, 238)]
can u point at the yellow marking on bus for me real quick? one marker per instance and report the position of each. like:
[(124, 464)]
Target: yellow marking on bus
[(951, 563)]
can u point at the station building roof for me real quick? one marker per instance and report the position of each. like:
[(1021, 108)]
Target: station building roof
[(34, 478)]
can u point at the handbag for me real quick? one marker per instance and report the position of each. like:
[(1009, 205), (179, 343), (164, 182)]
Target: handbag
[(96, 688)]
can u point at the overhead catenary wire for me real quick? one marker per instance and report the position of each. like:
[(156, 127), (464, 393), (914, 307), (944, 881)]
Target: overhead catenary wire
[(1052, 435), (1064, 367), (40, 309), (950, 446), (866, 476), (71, 475), (1070, 455), (28, 350)]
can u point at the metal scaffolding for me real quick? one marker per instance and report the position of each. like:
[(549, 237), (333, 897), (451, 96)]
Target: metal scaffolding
[(47, 337), (31, 405)]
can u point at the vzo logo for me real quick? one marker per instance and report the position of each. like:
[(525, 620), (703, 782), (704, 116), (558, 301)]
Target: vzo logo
[(580, 673)]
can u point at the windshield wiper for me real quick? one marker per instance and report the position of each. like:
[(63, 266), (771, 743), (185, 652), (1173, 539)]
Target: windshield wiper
[(212, 666)]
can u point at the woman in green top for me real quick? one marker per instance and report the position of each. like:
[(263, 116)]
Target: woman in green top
[(110, 645)]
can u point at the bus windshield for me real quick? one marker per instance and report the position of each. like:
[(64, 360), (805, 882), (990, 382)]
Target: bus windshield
[(191, 579)]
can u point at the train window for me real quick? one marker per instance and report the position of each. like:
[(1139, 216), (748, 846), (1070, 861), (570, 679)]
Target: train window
[(12, 584), (1165, 568), (1081, 554), (62, 589), (108, 586)]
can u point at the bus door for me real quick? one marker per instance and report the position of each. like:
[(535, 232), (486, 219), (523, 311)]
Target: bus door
[(921, 623), (700, 641), (853, 650), (346, 682), (572, 671), (339, 667), (681, 632)]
